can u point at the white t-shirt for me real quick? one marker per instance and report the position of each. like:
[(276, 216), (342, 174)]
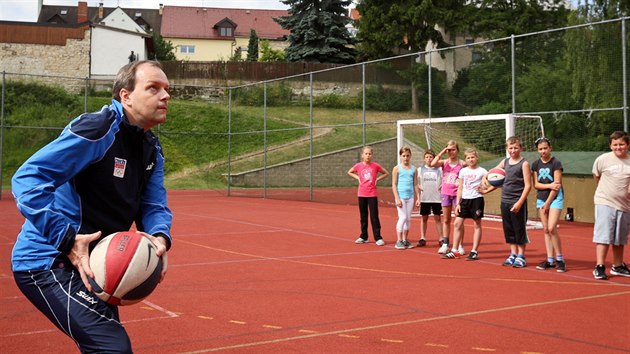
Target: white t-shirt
[(472, 178), (614, 175), (430, 179)]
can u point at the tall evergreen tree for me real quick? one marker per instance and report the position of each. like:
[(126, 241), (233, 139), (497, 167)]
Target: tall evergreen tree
[(252, 46), (318, 31)]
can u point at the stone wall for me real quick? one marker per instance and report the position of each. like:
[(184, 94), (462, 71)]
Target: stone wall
[(329, 170), (71, 60)]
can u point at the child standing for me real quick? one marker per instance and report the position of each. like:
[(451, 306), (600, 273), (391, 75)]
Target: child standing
[(367, 173), (404, 182), (612, 205), (450, 172), (516, 186), (429, 185), (470, 204), (547, 171)]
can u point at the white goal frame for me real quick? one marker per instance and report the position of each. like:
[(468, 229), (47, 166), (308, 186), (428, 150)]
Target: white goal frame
[(510, 130), (509, 118)]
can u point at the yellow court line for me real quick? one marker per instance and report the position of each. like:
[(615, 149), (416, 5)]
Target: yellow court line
[(538, 281), (402, 323)]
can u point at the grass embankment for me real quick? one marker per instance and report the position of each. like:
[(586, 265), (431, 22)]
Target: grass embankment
[(195, 138)]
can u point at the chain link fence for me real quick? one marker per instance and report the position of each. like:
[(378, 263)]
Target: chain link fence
[(296, 137)]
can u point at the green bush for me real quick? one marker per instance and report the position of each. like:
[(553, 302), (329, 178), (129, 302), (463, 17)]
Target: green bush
[(22, 94), (380, 99), (277, 95)]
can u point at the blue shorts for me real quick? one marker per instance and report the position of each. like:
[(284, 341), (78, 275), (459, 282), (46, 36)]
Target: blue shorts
[(557, 203), (611, 226)]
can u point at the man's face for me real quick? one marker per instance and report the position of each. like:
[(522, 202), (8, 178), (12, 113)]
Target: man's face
[(147, 104)]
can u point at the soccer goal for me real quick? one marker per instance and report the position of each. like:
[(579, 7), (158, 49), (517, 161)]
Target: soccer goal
[(485, 133)]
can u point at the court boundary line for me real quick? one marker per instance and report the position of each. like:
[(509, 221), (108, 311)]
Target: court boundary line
[(403, 323)]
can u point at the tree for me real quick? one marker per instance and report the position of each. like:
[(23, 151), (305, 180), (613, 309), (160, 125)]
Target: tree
[(318, 31), (164, 50), (594, 60), (267, 54), (389, 28), (252, 46)]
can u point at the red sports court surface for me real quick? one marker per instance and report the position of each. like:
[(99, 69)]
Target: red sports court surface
[(249, 275)]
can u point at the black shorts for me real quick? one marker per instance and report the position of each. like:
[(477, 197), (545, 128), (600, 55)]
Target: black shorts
[(427, 208), (471, 208)]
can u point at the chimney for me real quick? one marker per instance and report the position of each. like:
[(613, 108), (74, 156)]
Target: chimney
[(161, 12), (100, 11), (82, 12)]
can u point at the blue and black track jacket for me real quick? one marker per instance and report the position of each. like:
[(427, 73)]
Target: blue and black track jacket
[(100, 174)]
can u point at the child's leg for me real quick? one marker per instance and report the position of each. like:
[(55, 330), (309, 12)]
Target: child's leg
[(400, 225), (554, 235), (374, 218), (601, 250), (446, 221), (438, 226), (617, 251), (544, 219), (458, 233), (363, 213), (423, 226), (477, 235)]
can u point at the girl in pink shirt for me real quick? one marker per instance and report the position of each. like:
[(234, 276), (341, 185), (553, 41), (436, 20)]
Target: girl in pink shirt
[(367, 173), (450, 182)]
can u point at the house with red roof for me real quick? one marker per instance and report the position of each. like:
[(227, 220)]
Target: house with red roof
[(210, 34)]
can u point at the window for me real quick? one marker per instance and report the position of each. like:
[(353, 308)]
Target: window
[(190, 49), (227, 31)]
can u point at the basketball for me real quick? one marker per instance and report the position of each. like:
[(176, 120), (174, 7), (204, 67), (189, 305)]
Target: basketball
[(126, 268), (496, 176)]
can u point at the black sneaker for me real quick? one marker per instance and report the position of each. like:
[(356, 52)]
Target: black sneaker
[(544, 265), (600, 272), (422, 242), (620, 270), (561, 267), (472, 256)]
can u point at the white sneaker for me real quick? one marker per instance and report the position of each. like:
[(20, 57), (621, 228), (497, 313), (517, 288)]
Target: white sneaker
[(461, 251), (380, 242), (443, 249)]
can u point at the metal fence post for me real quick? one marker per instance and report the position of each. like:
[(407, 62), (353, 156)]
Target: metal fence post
[(364, 103), (310, 148), (85, 97), (229, 147), (4, 73), (624, 69), (513, 69), (265, 139)]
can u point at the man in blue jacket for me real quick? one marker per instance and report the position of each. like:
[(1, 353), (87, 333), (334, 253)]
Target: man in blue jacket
[(104, 173)]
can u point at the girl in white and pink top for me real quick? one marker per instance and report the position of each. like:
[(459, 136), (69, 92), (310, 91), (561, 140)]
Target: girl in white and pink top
[(367, 173), (450, 182)]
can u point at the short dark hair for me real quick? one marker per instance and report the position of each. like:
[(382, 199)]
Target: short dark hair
[(126, 77), (619, 134)]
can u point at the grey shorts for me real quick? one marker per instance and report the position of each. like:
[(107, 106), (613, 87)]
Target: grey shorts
[(611, 226)]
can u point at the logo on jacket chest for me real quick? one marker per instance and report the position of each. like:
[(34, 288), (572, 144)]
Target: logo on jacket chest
[(119, 167)]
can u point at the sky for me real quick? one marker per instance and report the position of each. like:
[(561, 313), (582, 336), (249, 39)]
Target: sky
[(26, 10)]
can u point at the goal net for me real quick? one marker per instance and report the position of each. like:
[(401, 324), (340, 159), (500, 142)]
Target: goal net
[(485, 133)]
